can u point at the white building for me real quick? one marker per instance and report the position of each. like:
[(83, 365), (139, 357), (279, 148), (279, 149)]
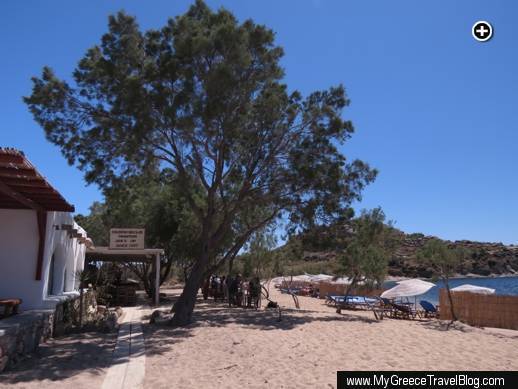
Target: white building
[(41, 247)]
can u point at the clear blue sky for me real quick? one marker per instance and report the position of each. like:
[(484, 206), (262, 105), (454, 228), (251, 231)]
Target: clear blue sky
[(435, 111)]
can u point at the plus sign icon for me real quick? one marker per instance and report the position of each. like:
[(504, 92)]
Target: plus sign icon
[(482, 31)]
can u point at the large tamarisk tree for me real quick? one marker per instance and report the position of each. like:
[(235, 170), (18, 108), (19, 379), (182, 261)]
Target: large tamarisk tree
[(204, 97)]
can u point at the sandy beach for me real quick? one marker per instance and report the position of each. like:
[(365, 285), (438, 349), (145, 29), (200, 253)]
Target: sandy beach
[(233, 347), (229, 348)]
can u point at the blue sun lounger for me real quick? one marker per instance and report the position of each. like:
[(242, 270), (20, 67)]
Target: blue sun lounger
[(290, 290), (333, 300), (358, 300), (430, 310), (354, 302)]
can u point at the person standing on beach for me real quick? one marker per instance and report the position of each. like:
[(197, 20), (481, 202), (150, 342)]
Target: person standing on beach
[(226, 286), (205, 288), (254, 292), (232, 290), (222, 293), (235, 291)]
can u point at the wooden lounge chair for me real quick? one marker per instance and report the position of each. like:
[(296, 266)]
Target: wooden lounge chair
[(376, 305), (401, 311), (10, 306), (382, 309)]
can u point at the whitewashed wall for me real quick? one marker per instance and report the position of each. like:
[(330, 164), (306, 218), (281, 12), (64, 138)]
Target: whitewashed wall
[(18, 257), (18, 253)]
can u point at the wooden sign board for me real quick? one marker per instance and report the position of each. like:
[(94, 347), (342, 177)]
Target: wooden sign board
[(127, 238)]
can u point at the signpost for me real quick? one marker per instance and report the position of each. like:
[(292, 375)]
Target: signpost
[(127, 238)]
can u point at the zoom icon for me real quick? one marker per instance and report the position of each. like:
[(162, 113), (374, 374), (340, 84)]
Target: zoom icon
[(482, 31)]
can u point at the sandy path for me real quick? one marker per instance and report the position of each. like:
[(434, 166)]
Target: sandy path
[(73, 361), (229, 348)]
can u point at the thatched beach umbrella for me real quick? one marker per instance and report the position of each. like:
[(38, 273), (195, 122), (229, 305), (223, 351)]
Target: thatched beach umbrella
[(319, 277), (473, 289), (408, 288)]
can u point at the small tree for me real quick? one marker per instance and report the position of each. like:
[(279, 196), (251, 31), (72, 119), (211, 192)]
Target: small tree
[(260, 252), (278, 266), (366, 257), (443, 260)]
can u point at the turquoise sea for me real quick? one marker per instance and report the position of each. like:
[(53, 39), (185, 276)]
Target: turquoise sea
[(502, 286)]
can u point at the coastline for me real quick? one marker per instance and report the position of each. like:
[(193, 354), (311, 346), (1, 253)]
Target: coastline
[(455, 277)]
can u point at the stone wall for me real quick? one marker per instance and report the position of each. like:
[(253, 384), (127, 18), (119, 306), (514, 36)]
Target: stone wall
[(67, 313), (21, 334)]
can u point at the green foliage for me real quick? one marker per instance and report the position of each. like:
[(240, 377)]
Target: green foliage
[(258, 260), (81, 278), (152, 202), (278, 267), (367, 253), (104, 279), (311, 267), (204, 97), (95, 224), (243, 265), (333, 237), (443, 259)]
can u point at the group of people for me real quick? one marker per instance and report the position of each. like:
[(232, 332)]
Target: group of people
[(236, 290)]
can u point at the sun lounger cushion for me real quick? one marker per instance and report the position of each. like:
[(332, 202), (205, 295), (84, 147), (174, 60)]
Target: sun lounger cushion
[(428, 306)]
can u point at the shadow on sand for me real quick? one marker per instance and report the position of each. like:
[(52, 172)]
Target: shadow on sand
[(160, 337), (64, 357), (447, 325), (70, 355)]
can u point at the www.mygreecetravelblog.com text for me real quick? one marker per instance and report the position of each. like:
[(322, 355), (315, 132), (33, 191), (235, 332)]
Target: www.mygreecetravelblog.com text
[(426, 379)]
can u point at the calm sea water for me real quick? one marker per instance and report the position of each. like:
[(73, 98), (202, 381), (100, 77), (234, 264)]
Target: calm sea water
[(502, 285)]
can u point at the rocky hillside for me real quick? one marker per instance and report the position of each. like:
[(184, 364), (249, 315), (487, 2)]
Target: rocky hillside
[(484, 259)]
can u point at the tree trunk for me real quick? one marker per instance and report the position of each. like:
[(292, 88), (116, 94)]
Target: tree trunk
[(184, 306), (230, 264), (165, 270), (347, 291), (450, 298), (351, 286), (185, 275), (81, 302), (151, 280), (142, 272)]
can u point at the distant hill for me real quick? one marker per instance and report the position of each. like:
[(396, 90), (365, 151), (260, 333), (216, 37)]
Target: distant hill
[(484, 259), (312, 253)]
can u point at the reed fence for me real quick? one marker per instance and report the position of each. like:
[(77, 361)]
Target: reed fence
[(296, 284), (326, 288), (480, 310)]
